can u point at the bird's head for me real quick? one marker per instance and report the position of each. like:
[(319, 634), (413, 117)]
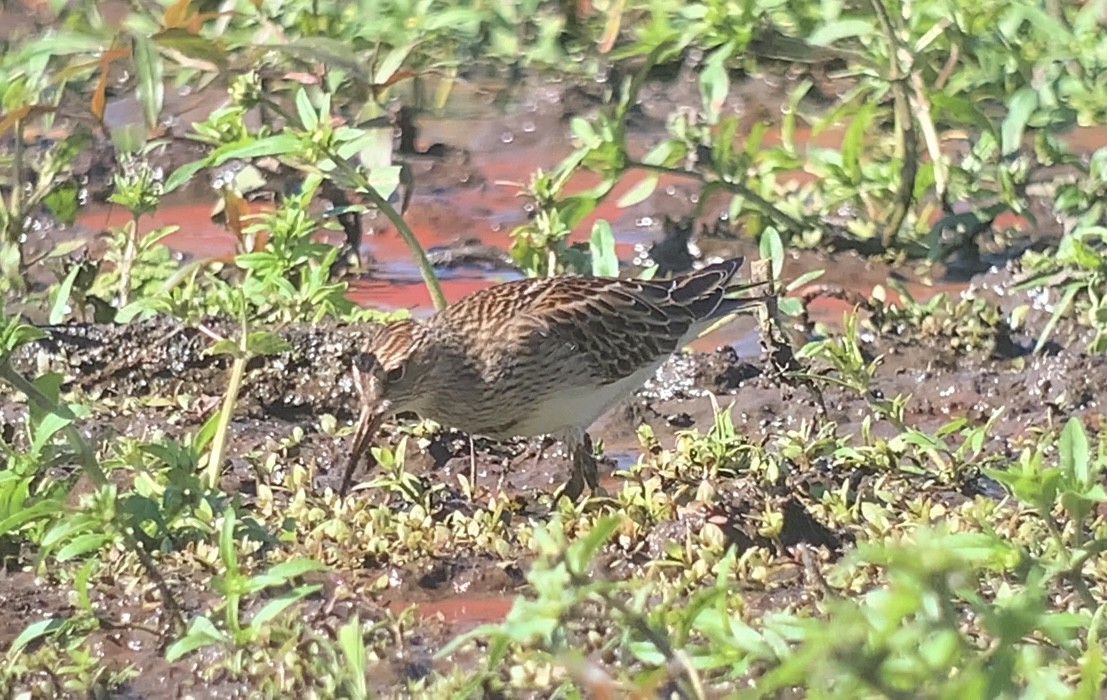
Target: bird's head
[(388, 376)]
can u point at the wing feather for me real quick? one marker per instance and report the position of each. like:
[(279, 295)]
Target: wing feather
[(610, 328)]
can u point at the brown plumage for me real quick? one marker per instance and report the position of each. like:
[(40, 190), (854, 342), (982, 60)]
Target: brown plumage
[(538, 356)]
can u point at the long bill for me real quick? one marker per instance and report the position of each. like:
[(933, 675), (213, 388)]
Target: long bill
[(368, 423)]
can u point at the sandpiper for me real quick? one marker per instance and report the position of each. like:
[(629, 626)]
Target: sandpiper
[(538, 356)]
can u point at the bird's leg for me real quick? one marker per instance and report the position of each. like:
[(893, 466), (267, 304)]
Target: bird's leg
[(542, 447), (583, 467), (588, 465), (472, 466)]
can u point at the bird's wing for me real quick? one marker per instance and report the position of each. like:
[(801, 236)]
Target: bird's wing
[(622, 326)]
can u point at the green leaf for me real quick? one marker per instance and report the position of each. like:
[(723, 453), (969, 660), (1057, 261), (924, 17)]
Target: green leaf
[(353, 649), (1019, 110), (1086, 20), (151, 86), (227, 552), (206, 432), (840, 29), (715, 81), (1062, 306), (772, 248), (639, 192), (961, 109), (666, 153), (279, 144), (309, 119), (1092, 667), (279, 604), (322, 50), (295, 567), (201, 633), (373, 148), (605, 263), (64, 529), (391, 63), (63, 201), (224, 346), (82, 544), (47, 427), (790, 306), (853, 141), (805, 278), (21, 517), (34, 631), (191, 45), (61, 298), (581, 552), (62, 43), (183, 174), (1074, 452), (266, 343), (64, 248), (583, 130)]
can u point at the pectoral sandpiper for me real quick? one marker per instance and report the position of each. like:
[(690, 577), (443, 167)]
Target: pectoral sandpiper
[(538, 356)]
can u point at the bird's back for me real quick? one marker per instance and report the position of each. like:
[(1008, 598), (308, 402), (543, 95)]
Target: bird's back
[(562, 349)]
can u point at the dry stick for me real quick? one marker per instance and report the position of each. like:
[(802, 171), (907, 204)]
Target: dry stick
[(87, 460), (907, 147), (222, 429), (930, 134)]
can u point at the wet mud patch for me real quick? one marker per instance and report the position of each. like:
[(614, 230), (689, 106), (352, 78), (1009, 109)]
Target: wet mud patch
[(467, 560), (443, 545)]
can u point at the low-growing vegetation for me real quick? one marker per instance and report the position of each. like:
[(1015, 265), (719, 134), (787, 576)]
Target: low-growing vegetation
[(902, 497)]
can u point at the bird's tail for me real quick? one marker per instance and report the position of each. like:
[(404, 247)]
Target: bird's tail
[(713, 292)]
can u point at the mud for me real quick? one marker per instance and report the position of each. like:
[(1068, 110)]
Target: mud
[(287, 392), (454, 593), (462, 212)]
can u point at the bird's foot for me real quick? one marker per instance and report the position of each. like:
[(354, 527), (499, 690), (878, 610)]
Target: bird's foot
[(583, 474)]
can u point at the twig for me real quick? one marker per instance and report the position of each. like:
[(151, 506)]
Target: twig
[(219, 441)]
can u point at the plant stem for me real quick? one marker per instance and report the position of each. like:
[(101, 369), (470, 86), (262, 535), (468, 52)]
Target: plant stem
[(226, 410), (907, 147), (675, 657), (363, 186), (421, 259), (15, 221), (768, 208), (126, 265)]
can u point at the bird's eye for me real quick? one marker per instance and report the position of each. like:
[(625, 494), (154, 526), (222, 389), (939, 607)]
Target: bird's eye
[(395, 374)]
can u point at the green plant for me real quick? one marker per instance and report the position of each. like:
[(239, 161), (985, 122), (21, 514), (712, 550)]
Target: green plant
[(1077, 270), (233, 584)]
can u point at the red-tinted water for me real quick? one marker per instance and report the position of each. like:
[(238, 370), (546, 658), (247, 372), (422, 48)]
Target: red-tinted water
[(480, 201)]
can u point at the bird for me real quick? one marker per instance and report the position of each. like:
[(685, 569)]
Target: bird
[(538, 356)]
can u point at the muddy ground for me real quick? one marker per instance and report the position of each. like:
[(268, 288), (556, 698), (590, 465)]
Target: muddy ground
[(154, 377), (123, 369)]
